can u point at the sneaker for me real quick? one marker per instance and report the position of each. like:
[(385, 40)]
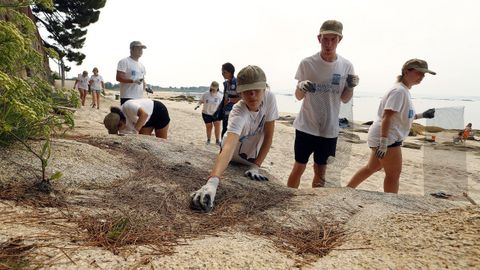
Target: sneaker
[(218, 143), (208, 142)]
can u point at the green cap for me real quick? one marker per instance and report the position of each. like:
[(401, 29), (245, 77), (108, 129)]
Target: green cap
[(251, 78), (418, 64), (331, 27)]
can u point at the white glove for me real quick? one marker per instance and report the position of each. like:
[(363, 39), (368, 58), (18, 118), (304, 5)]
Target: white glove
[(382, 148), (203, 198), (254, 174), (352, 80), (306, 86)]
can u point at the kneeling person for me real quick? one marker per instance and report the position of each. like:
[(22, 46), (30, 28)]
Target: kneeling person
[(249, 134), (140, 116)]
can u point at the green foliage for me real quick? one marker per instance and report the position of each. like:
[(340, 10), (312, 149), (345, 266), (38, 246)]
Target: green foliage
[(66, 23)]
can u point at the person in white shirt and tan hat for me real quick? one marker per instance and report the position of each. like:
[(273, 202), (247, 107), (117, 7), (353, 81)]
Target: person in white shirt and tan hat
[(131, 73), (249, 134), (138, 116), (211, 99), (325, 79), (394, 119)]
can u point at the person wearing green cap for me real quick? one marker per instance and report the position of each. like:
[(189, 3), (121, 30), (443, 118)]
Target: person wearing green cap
[(394, 119), (249, 134), (325, 79)]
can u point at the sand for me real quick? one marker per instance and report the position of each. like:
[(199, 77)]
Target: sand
[(409, 230)]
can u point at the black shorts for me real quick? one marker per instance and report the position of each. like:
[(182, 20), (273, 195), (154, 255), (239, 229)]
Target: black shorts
[(159, 118), (395, 144), (306, 144), (123, 100), (209, 118)]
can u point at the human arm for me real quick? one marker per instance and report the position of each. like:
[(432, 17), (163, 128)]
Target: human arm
[(142, 119), (203, 198), (253, 172), (122, 77), (386, 121), (351, 82)]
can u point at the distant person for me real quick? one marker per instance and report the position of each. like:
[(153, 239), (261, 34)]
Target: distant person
[(211, 100), (97, 85), (394, 119), (131, 74), (249, 135), (324, 80), (142, 116), (459, 138), (82, 83), (230, 95), (467, 132)]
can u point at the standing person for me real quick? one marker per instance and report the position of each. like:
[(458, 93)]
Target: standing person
[(131, 74), (394, 119), (82, 82), (249, 135), (97, 85), (230, 95), (140, 116), (324, 80), (211, 100)]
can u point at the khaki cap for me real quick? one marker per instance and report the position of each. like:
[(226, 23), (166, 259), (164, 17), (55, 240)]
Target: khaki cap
[(251, 78), (137, 43), (331, 27), (111, 122), (418, 64)]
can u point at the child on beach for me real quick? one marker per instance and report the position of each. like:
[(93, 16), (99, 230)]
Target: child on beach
[(82, 83), (467, 132), (211, 100), (459, 137), (142, 116), (395, 118), (249, 134), (97, 85)]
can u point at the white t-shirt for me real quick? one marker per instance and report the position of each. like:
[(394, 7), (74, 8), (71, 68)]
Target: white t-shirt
[(130, 109), (210, 102), (96, 82), (134, 70), (250, 125), (82, 81), (397, 99), (318, 115)]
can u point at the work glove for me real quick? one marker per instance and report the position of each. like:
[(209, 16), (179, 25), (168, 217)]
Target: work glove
[(203, 198), (352, 80), (382, 148), (196, 107), (306, 86), (430, 113), (254, 174), (149, 90)]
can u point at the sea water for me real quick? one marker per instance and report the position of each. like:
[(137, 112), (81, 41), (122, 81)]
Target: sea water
[(451, 112)]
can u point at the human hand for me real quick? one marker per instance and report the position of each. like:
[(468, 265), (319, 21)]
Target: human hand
[(306, 86), (254, 174), (137, 81), (203, 198), (382, 148), (149, 90), (352, 80), (196, 107), (430, 113)]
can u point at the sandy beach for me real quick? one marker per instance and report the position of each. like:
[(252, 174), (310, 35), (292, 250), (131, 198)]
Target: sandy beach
[(405, 231)]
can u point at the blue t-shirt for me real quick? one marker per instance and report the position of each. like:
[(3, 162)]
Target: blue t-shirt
[(230, 92)]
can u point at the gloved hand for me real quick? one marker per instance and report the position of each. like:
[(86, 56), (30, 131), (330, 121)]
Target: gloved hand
[(306, 86), (352, 80), (203, 198), (382, 148), (430, 113), (149, 90), (254, 174), (196, 107)]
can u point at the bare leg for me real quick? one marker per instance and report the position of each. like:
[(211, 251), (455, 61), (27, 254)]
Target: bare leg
[(216, 125), (296, 174), (209, 130), (319, 175), (366, 171), (97, 94), (392, 164), (162, 133)]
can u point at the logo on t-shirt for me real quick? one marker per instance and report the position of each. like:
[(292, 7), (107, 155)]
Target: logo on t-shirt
[(410, 114), (336, 79)]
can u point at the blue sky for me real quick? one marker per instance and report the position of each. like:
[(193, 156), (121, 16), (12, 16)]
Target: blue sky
[(189, 40)]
